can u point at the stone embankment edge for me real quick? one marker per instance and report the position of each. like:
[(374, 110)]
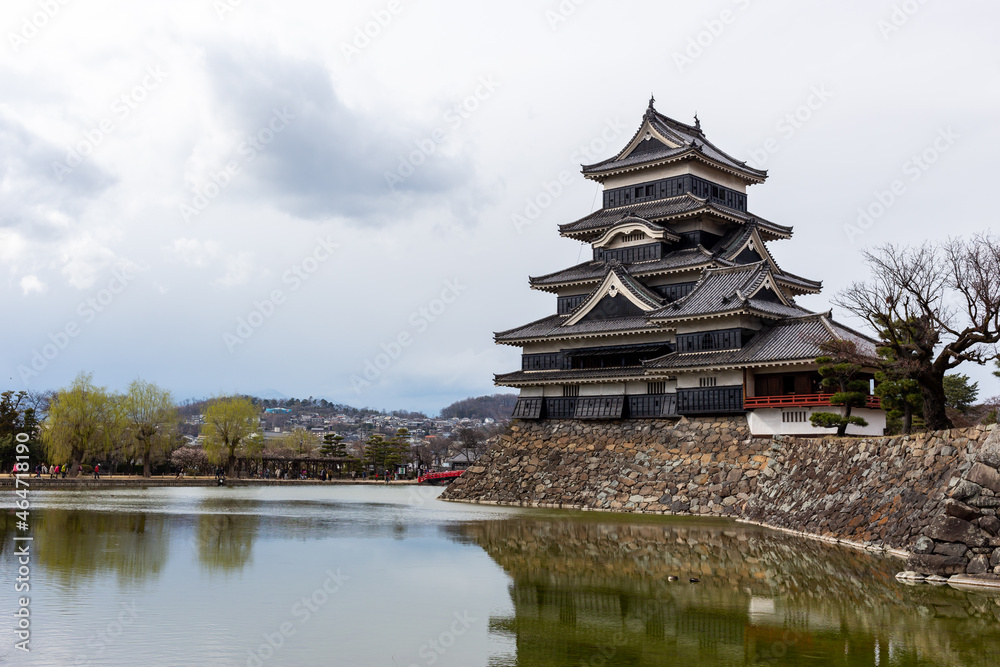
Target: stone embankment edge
[(78, 485), (871, 548), (919, 472)]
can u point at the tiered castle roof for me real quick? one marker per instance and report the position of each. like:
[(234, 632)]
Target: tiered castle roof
[(700, 257)]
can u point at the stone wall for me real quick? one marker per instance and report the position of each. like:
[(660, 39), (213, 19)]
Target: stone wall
[(963, 534), (882, 493), (697, 466)]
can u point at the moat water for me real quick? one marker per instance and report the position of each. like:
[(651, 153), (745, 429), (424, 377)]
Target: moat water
[(364, 575)]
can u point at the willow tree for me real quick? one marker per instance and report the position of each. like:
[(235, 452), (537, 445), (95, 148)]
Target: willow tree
[(231, 429), (151, 418), (301, 441), (935, 306), (83, 421)]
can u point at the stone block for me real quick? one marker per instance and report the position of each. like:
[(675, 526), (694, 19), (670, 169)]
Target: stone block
[(951, 549), (985, 476), (978, 565), (995, 558), (989, 453), (991, 524), (952, 529), (935, 564), (923, 545), (964, 489), (959, 509)]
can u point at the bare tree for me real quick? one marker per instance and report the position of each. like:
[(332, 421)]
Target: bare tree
[(471, 441), (935, 306)]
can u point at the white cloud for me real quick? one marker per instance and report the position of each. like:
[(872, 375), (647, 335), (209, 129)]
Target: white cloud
[(193, 252), (451, 219), (83, 259), (238, 269), (31, 284)]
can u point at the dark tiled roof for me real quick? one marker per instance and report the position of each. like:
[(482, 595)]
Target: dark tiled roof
[(531, 377), (595, 270), (805, 283), (640, 291), (551, 327), (608, 217), (660, 209), (690, 140), (791, 339), (643, 293), (730, 289)]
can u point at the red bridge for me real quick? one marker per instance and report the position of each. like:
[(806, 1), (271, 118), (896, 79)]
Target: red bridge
[(439, 477)]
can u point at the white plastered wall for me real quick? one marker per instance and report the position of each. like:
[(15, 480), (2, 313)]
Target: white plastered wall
[(768, 421)]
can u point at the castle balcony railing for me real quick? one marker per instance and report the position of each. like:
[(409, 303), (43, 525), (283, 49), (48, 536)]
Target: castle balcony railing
[(791, 400)]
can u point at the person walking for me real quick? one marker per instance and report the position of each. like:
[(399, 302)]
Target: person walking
[(97, 471)]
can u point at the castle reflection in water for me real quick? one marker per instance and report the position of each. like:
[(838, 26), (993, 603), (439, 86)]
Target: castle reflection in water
[(586, 589), (596, 591)]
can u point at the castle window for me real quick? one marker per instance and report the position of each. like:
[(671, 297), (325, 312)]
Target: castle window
[(656, 387), (571, 390), (707, 382), (794, 416)]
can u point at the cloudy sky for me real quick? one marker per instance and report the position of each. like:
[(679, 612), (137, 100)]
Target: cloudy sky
[(264, 196)]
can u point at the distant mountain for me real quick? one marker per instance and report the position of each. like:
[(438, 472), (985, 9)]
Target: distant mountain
[(497, 406), (269, 393)]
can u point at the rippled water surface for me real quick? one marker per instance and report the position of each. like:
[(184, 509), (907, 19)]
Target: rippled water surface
[(366, 575)]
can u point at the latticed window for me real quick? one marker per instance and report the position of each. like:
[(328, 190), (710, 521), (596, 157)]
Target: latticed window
[(707, 382), (571, 390), (656, 387)]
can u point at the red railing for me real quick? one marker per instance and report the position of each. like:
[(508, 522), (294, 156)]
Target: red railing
[(872, 402), (437, 476)]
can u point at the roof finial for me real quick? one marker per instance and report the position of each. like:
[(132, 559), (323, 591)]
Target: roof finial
[(697, 123), (652, 100)]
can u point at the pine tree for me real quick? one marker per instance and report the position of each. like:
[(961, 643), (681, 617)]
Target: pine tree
[(959, 393), (841, 371)]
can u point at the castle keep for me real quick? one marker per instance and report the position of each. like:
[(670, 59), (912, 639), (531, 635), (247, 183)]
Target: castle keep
[(682, 311)]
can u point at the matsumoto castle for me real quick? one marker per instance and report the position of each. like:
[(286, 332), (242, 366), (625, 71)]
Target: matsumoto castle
[(682, 311)]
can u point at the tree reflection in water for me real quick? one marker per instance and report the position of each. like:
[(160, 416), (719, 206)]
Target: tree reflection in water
[(590, 590), (75, 546), (225, 534)]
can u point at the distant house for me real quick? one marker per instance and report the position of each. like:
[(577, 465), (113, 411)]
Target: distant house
[(459, 462)]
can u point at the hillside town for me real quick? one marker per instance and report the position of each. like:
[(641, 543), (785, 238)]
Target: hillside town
[(436, 444)]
